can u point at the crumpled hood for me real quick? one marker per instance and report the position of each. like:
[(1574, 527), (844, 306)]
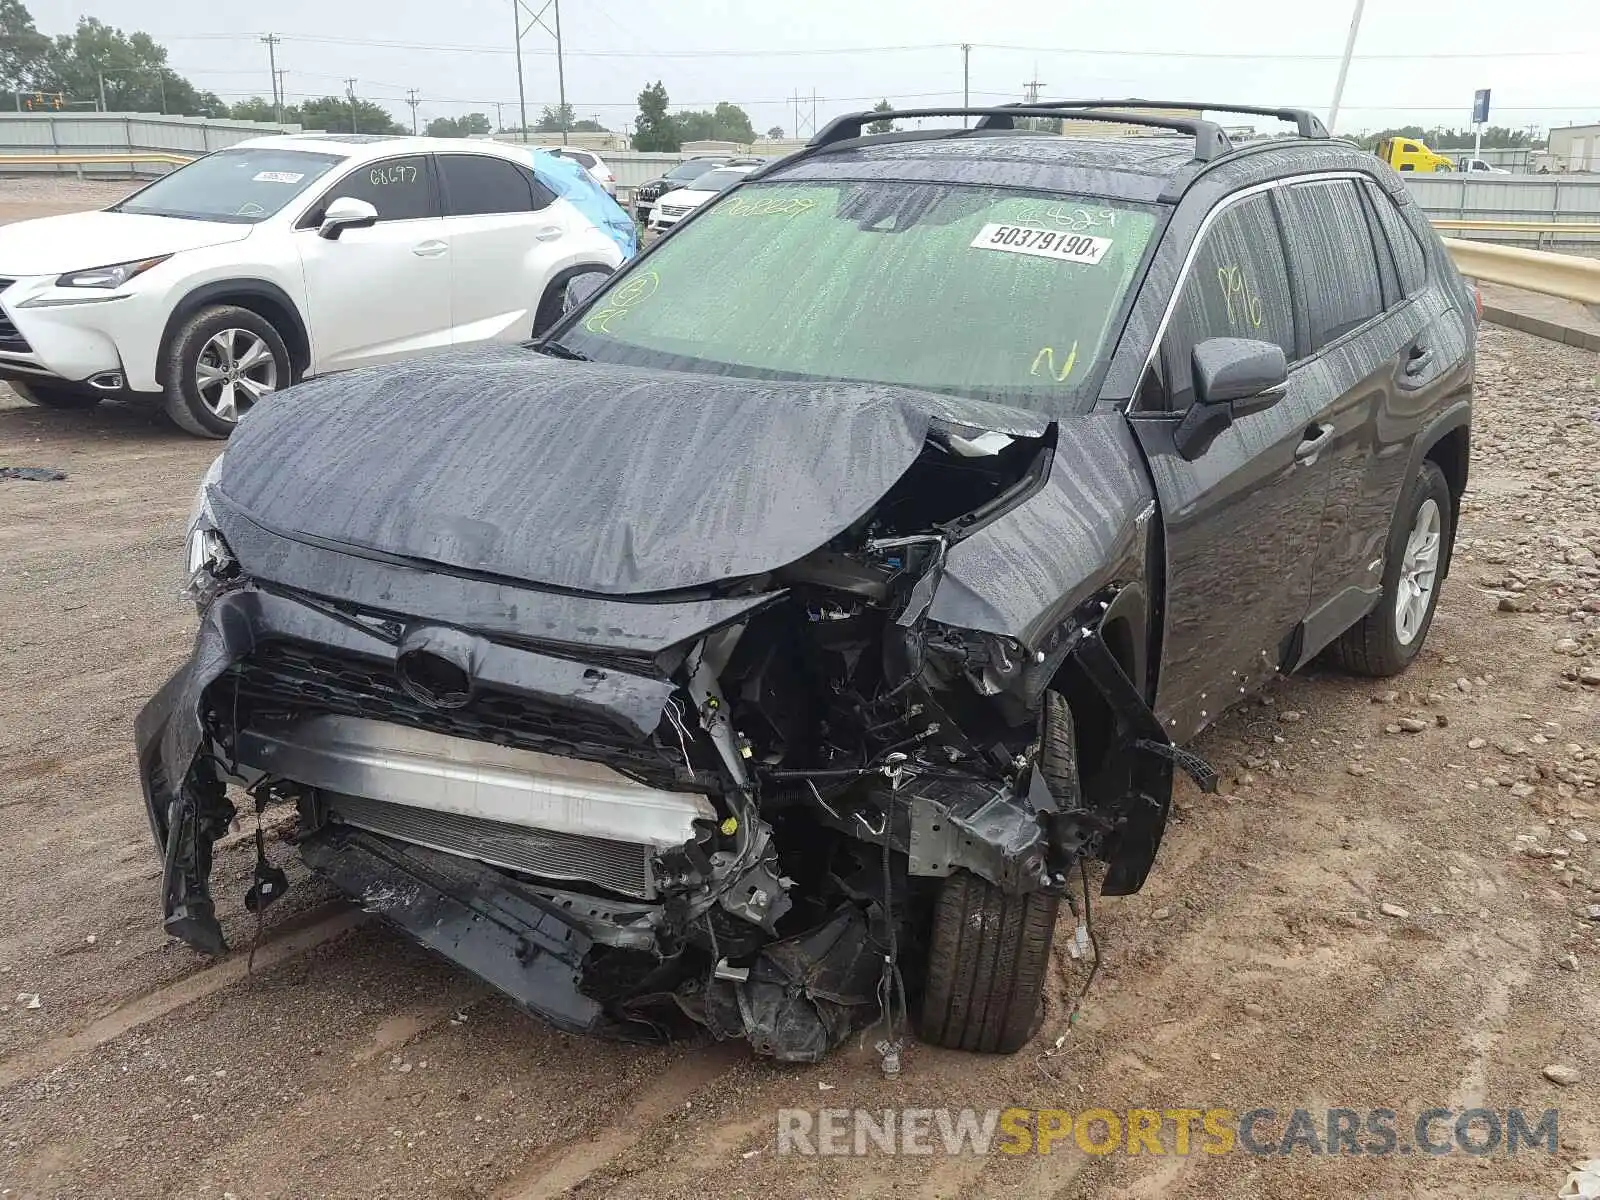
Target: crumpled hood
[(75, 241), (587, 476)]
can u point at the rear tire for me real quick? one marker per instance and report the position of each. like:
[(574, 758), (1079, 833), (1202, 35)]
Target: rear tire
[(220, 364), (989, 951), (54, 395), (1385, 641)]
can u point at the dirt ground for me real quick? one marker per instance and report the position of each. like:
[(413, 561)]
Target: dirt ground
[(1257, 969)]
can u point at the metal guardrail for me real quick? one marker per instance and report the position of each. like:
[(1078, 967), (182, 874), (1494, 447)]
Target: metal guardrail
[(77, 162), (1564, 275), (1520, 226)]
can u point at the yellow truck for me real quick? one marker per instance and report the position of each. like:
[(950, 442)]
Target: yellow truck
[(1408, 154)]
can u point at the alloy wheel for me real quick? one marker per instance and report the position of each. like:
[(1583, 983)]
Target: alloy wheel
[(1419, 568), (236, 368)]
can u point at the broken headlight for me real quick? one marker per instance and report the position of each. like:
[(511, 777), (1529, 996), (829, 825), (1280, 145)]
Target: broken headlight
[(207, 556)]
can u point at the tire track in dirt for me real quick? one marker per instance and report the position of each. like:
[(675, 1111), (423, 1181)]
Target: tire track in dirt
[(564, 1172), (309, 931)]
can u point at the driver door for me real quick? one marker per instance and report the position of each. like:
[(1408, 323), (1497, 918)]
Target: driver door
[(380, 293), (1242, 520)]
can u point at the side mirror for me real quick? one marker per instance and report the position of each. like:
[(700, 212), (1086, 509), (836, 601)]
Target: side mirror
[(1233, 377), (581, 289), (346, 213)]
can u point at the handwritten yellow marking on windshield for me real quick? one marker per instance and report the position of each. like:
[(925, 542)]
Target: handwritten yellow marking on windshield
[(1047, 358), (1078, 220), (638, 289), (769, 206), (1235, 287)]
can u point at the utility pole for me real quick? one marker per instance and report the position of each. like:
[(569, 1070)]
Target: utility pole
[(283, 94), (102, 78), (412, 98), (522, 96), (350, 91), (518, 7), (272, 40), (561, 76), (1344, 65), (499, 117), (966, 79)]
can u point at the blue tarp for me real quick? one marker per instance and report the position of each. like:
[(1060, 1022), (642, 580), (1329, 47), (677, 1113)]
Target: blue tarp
[(572, 183)]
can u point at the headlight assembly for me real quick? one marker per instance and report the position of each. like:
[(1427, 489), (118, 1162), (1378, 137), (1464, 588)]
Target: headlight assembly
[(207, 555), (113, 276)]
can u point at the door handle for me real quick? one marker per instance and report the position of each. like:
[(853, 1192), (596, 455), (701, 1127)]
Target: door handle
[(549, 233), (1417, 359), (431, 249), (1317, 437)]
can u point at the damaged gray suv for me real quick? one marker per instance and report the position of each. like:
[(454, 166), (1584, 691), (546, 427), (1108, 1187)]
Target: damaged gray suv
[(772, 647)]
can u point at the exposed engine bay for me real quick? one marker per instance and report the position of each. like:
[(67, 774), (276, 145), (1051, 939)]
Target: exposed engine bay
[(745, 829)]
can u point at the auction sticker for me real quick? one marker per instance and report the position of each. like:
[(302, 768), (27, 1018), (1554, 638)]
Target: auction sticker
[(278, 177), (1042, 243)]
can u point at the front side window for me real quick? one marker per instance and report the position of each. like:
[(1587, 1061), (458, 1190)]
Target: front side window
[(238, 186), (1238, 286), (399, 188), (477, 185), (1330, 246), (977, 291)]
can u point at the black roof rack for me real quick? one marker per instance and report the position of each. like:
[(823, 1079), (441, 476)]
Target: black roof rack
[(1210, 140), (1307, 124)]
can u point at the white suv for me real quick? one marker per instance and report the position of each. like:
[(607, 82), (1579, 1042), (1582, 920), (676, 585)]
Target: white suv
[(286, 257)]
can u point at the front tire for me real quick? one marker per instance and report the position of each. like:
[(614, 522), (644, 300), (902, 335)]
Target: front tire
[(989, 952), (1385, 641), (223, 361), (56, 396), (557, 303)]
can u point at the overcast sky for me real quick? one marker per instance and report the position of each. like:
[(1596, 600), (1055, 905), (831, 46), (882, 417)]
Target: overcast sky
[(1540, 57)]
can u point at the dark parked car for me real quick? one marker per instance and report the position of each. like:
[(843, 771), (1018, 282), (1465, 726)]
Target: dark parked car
[(682, 175), (772, 646)]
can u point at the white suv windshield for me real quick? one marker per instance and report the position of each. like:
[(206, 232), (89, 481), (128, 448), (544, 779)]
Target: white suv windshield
[(979, 291), (240, 186)]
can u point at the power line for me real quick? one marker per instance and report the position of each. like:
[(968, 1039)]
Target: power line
[(1217, 55)]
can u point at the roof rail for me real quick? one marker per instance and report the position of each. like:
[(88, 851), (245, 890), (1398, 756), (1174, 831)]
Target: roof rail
[(1210, 140), (1307, 124)]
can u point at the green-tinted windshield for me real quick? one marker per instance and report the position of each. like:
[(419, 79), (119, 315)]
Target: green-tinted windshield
[(979, 291)]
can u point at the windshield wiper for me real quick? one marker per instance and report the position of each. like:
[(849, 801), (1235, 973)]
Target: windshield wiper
[(557, 350)]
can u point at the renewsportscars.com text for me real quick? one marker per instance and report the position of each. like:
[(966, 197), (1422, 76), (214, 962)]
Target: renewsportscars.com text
[(1176, 1131)]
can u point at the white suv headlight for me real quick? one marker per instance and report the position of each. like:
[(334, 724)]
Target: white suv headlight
[(207, 555), (109, 277)]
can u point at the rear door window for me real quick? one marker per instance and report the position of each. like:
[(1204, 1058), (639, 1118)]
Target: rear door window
[(478, 185), (1238, 286), (1330, 250), (1403, 244), (401, 189)]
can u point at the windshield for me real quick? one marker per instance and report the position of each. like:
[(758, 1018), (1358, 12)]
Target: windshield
[(242, 186), (717, 181), (692, 169), (979, 291)]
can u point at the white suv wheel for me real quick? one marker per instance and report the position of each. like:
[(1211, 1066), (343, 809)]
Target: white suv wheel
[(236, 368)]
